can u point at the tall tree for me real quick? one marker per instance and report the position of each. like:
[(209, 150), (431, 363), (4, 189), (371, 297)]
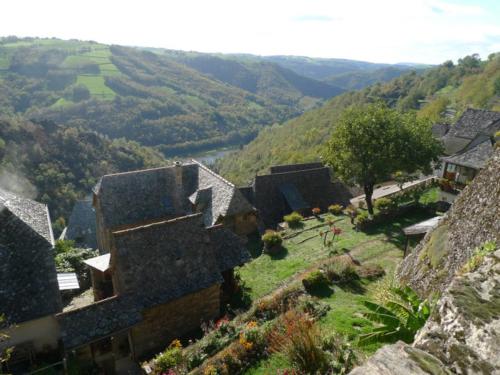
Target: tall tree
[(370, 142)]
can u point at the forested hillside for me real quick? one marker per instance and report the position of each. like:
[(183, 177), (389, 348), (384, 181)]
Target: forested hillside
[(152, 98), (57, 164), (439, 94)]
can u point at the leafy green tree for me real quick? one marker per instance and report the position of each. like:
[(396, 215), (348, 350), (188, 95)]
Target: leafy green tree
[(371, 142), (399, 318)]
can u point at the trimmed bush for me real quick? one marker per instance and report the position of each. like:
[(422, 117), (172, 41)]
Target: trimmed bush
[(316, 211), (335, 209), (384, 204), (272, 239), (293, 220), (315, 280), (362, 219)]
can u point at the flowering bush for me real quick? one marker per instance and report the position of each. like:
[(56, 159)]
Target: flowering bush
[(335, 209), (169, 358), (293, 220), (316, 211)]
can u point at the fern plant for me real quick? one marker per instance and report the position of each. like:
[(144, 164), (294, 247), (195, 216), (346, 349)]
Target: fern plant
[(399, 319)]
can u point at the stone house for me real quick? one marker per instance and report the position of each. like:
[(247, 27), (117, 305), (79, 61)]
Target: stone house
[(29, 291), (469, 143), (139, 197), (294, 187), (166, 278)]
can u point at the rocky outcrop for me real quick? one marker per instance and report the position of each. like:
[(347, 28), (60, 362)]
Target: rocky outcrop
[(461, 337), (473, 219)]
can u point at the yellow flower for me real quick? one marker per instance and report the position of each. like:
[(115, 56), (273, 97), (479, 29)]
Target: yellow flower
[(252, 324), (175, 344), (210, 370)]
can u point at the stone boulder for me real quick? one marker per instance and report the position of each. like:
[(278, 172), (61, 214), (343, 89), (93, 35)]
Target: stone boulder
[(461, 337)]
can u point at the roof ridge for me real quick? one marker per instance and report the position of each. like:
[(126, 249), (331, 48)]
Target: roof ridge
[(158, 223), (212, 173)]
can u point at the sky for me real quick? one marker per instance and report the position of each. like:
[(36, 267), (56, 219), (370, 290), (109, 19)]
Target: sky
[(390, 31)]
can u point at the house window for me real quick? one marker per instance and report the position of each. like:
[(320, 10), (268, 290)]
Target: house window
[(451, 168)]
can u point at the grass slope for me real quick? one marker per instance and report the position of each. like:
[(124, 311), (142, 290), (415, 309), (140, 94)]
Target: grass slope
[(382, 245)]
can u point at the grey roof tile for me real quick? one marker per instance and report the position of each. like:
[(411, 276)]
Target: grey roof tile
[(28, 278)]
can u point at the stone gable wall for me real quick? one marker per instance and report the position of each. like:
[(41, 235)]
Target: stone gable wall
[(164, 323)]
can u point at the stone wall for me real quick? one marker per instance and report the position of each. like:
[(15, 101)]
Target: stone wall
[(314, 185), (164, 323)]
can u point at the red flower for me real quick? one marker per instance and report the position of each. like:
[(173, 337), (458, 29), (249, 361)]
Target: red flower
[(336, 231)]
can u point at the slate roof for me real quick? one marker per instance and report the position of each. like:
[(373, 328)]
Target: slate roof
[(471, 124), (165, 193), (293, 197), (230, 250), (439, 130), (167, 259), (296, 186), (226, 199), (28, 278), (98, 320), (474, 156), (34, 214), (474, 121), (82, 225)]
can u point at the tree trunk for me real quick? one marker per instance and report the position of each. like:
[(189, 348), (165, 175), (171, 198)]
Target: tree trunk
[(368, 188)]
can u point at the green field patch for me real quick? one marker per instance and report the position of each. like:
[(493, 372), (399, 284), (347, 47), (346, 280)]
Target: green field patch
[(97, 86), (61, 102)]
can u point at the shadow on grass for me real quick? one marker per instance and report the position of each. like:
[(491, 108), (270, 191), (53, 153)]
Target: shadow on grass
[(254, 244), (323, 291), (296, 226), (393, 228), (354, 286), (281, 253)]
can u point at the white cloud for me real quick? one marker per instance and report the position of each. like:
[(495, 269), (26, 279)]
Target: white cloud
[(385, 30)]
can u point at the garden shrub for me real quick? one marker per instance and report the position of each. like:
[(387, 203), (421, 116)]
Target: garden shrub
[(272, 239), (362, 219), (315, 280), (385, 205), (293, 220), (170, 357), (335, 209), (316, 211)]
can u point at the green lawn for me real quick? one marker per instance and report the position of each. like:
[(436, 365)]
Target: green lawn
[(96, 86), (382, 245)]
